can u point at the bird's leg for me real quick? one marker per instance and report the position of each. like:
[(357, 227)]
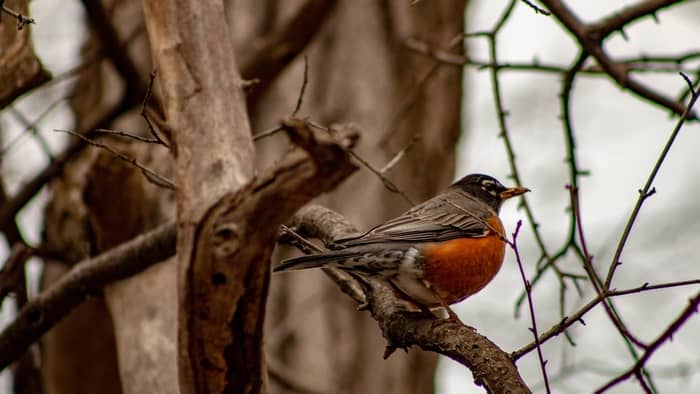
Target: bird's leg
[(451, 315)]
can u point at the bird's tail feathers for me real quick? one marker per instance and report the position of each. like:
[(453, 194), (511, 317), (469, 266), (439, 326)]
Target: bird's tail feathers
[(310, 261)]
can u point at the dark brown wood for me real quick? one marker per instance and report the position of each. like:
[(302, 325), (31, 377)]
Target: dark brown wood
[(230, 274)]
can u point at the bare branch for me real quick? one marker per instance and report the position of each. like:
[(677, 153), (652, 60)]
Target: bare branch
[(115, 50), (647, 190), (542, 11), (690, 310), (591, 43), (84, 280), (623, 18), (21, 19), (528, 289), (152, 176)]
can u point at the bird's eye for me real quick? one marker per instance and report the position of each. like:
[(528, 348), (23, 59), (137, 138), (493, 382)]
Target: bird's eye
[(489, 186)]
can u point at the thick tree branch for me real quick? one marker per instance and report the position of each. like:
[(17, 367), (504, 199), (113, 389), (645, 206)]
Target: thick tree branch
[(591, 37), (627, 15), (491, 366), (85, 279)]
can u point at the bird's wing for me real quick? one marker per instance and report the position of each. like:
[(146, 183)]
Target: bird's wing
[(438, 219)]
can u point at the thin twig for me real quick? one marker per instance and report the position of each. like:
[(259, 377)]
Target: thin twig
[(400, 154), (648, 287), (132, 136), (304, 82), (388, 184), (144, 113), (639, 64), (593, 276), (538, 10), (528, 289), (31, 126), (691, 309), (648, 190), (274, 130), (21, 19), (267, 133), (151, 176)]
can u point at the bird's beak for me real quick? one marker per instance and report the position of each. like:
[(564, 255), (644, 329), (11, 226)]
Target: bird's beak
[(513, 191)]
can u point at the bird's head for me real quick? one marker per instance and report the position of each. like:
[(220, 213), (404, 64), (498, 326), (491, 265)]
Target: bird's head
[(488, 189)]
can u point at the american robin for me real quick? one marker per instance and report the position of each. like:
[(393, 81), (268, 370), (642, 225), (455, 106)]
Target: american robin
[(437, 253)]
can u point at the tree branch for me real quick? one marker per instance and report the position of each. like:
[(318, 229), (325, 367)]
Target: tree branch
[(591, 36), (667, 335)]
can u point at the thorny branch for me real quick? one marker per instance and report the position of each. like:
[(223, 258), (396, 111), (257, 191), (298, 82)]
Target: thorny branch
[(528, 290), (591, 37), (665, 336), (648, 189), (629, 338), (603, 289)]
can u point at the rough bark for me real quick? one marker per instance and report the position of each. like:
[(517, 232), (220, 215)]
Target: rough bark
[(205, 109)]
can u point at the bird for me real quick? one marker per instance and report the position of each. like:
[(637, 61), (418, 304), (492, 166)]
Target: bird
[(435, 254)]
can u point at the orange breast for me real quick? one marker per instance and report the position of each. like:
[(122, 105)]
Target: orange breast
[(460, 267)]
